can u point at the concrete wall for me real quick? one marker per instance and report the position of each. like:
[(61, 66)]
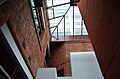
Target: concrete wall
[(17, 15), (102, 20)]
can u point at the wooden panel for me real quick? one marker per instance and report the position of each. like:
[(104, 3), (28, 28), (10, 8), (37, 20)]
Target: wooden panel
[(114, 70), (102, 21), (83, 7)]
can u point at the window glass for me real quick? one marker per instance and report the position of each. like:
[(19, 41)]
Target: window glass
[(50, 13), (77, 31), (49, 3), (61, 10), (57, 2), (54, 22), (64, 10)]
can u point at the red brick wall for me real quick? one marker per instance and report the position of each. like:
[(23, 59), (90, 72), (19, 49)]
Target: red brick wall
[(3, 18), (18, 16), (102, 21), (60, 56), (57, 54), (45, 38)]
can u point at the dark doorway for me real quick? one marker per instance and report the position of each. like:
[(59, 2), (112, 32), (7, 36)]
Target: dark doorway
[(47, 57), (60, 73), (7, 61)]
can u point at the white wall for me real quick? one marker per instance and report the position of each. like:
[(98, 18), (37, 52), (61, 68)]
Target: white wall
[(46, 73), (85, 66)]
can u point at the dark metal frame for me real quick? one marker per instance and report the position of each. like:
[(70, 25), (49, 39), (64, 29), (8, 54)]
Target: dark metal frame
[(63, 17), (39, 19), (57, 5), (73, 20)]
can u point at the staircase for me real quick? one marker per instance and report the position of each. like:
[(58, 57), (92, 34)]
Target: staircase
[(84, 66)]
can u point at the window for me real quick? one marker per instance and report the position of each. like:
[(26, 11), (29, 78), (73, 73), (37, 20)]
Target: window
[(77, 23), (61, 31), (77, 31), (67, 17), (38, 18), (67, 31), (64, 16), (77, 17)]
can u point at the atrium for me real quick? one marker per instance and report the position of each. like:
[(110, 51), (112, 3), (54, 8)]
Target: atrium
[(59, 39)]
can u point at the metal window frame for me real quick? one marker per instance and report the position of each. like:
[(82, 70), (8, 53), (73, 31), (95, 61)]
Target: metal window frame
[(40, 27), (63, 17)]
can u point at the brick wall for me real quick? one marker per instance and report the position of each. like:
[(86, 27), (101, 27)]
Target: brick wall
[(60, 53), (17, 15)]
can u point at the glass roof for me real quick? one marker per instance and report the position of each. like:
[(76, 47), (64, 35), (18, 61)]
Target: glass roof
[(56, 2), (65, 19)]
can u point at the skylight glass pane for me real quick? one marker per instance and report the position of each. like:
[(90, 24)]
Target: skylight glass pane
[(77, 15), (61, 25), (61, 31), (77, 31), (69, 22), (50, 13), (36, 22), (55, 32), (34, 13), (76, 24), (67, 31), (61, 10), (32, 3), (49, 3), (58, 11), (54, 22), (61, 28), (77, 28), (57, 2), (84, 30), (67, 17)]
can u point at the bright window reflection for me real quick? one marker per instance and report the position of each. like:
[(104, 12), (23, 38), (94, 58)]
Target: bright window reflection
[(57, 2), (62, 13)]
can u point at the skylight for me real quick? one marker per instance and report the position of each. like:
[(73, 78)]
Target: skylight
[(65, 19)]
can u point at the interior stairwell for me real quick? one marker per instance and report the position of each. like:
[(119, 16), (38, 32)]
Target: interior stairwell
[(84, 65)]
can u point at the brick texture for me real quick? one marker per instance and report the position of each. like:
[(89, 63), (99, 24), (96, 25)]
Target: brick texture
[(3, 18), (60, 53), (17, 15)]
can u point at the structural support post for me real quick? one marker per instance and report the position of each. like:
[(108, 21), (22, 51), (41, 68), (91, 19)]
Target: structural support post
[(73, 20)]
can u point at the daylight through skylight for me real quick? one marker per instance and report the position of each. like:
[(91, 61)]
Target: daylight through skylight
[(65, 19)]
